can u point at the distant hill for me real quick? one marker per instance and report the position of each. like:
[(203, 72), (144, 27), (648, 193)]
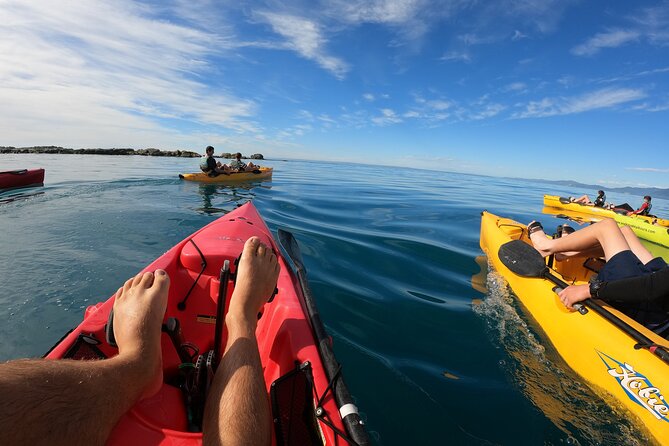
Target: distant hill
[(654, 192)]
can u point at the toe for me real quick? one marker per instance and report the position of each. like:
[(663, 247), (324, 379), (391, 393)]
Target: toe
[(161, 279), (251, 246), (128, 284), (147, 280), (137, 279)]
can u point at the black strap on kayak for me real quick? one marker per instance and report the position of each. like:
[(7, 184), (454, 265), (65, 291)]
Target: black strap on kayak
[(182, 305), (16, 172), (224, 278)]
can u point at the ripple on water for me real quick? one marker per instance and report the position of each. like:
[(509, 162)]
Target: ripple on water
[(546, 380)]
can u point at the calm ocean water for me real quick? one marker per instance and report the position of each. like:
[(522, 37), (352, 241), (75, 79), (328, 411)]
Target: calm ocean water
[(431, 356)]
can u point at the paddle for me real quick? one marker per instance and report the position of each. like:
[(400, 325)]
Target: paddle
[(523, 260), (348, 411)]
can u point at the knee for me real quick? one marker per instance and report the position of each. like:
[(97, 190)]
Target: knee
[(608, 224)]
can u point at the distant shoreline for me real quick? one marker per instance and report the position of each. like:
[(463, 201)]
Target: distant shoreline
[(98, 151), (56, 150)]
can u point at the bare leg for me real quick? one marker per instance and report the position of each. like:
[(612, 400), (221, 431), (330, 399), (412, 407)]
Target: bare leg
[(584, 199), (54, 402), (237, 410), (605, 233), (635, 245)]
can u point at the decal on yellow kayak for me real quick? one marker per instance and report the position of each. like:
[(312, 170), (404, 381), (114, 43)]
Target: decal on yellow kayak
[(638, 388)]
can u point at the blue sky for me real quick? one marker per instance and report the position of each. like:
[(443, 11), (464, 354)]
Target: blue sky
[(531, 88)]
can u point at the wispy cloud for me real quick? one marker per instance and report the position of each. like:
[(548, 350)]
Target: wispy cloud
[(388, 116), (648, 169), (609, 39), (377, 11), (516, 87), (605, 98), (306, 38), (650, 24), (85, 71), (654, 21), (517, 35), (461, 56)]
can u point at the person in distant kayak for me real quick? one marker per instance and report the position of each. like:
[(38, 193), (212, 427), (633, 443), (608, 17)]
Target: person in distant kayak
[(210, 166), (80, 401), (631, 280), (237, 165), (645, 207), (599, 202)]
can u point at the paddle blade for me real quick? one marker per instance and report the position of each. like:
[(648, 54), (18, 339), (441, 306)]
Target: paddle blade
[(289, 244), (522, 259)]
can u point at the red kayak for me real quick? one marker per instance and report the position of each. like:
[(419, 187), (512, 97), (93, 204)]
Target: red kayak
[(309, 399), (21, 178)]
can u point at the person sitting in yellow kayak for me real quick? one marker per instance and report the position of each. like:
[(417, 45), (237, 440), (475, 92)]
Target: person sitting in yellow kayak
[(211, 167), (599, 202), (632, 280), (645, 207), (237, 165)]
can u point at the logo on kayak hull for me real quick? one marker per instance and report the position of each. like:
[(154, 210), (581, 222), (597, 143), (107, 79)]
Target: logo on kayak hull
[(637, 387)]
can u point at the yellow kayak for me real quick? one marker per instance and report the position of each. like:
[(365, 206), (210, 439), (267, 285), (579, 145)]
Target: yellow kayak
[(236, 177), (563, 203), (602, 353), (642, 226)]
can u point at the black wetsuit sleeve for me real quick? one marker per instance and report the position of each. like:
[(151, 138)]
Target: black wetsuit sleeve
[(649, 287)]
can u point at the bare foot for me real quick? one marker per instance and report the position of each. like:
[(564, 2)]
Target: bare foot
[(139, 309), (257, 274)]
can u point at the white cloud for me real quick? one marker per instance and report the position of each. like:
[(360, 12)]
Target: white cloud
[(487, 111), (605, 98), (82, 72), (306, 38), (378, 11), (387, 117), (368, 97), (517, 87), (456, 56), (648, 169), (610, 39), (517, 35), (438, 104)]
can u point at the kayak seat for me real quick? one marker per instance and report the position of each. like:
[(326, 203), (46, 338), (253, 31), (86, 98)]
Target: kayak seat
[(215, 251), (594, 264)]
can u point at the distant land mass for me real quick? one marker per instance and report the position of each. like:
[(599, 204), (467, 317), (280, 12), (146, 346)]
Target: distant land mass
[(98, 151), (122, 151), (654, 192)]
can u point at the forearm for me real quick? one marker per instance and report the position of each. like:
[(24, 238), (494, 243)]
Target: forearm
[(636, 289)]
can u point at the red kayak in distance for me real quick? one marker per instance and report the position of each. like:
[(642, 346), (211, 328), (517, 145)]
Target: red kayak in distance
[(12, 179), (309, 400)]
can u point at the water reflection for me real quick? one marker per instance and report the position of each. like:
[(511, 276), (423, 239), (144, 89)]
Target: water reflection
[(16, 196), (221, 198)]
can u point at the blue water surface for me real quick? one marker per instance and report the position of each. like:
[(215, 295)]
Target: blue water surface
[(434, 351)]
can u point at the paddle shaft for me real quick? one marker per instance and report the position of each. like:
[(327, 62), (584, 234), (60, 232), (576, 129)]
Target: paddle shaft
[(348, 411)]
